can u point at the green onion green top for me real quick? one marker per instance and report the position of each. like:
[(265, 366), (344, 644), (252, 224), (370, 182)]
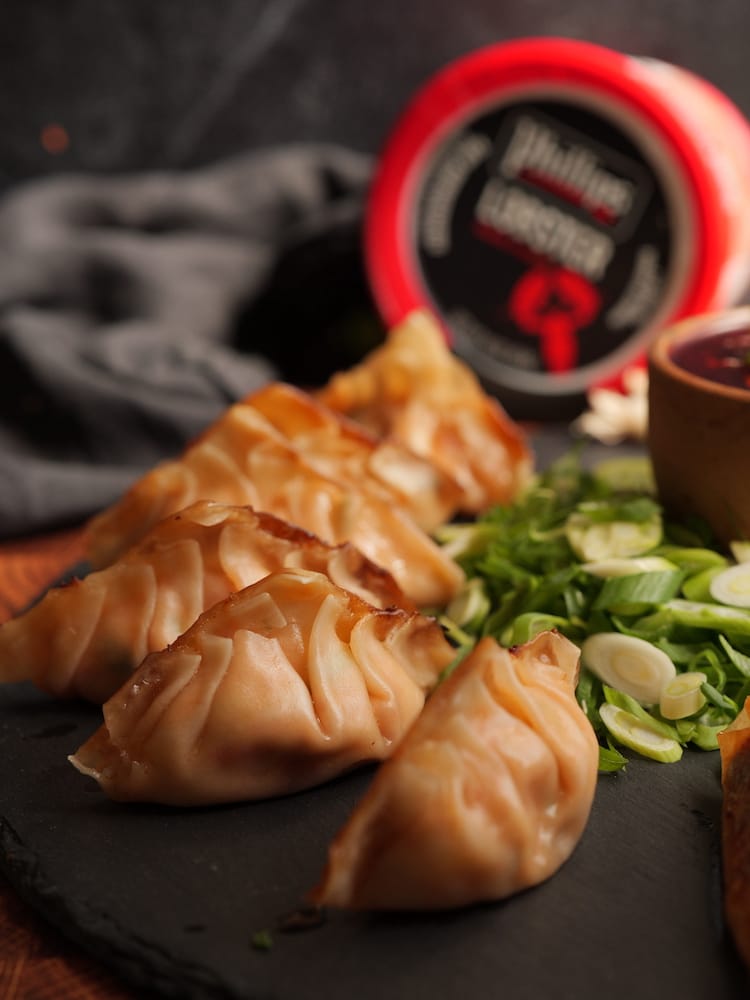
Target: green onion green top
[(589, 552)]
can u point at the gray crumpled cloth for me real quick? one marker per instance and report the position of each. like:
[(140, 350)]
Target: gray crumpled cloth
[(126, 313)]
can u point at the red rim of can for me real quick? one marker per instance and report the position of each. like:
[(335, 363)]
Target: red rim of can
[(450, 97)]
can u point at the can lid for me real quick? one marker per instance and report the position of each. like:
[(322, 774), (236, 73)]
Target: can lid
[(614, 90)]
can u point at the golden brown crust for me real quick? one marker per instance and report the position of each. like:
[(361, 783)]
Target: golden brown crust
[(280, 686), (244, 460), (86, 638), (345, 450), (416, 390), (487, 794)]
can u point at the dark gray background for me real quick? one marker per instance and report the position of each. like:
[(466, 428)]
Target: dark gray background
[(173, 83)]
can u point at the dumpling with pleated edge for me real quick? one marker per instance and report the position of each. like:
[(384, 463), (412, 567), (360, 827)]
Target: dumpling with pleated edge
[(85, 638), (487, 794), (347, 451), (243, 459), (414, 389), (282, 686)]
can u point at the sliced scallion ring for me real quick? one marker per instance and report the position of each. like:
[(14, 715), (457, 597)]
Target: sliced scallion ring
[(629, 664), (740, 550), (732, 586), (593, 540), (682, 696), (471, 605), (638, 736), (614, 566)]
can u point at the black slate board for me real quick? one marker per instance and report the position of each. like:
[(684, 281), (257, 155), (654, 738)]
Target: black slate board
[(171, 899)]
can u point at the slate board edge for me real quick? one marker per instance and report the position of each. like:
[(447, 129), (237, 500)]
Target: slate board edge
[(145, 967)]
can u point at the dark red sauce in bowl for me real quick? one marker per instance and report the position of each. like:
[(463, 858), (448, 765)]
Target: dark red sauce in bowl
[(699, 420), (721, 357)]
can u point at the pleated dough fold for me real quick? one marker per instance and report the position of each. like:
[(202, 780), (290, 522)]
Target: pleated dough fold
[(487, 794), (281, 686)]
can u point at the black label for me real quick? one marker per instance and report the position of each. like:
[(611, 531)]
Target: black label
[(544, 239)]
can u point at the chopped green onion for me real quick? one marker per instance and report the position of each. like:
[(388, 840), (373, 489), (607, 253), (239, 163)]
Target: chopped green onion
[(634, 594), (698, 614), (459, 638), (605, 568), (705, 737), (610, 759), (697, 587), (593, 540), (633, 707), (560, 557), (692, 559), (740, 550), (720, 700), (682, 696), (630, 474), (736, 658), (459, 540), (471, 605), (732, 586), (262, 940), (628, 664), (639, 736), (530, 624)]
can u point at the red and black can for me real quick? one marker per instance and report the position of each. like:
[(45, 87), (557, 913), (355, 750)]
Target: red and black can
[(555, 203)]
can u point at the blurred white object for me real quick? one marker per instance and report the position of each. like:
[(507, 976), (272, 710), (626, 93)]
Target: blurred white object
[(615, 416)]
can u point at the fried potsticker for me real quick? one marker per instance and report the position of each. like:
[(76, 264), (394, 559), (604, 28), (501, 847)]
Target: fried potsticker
[(280, 687), (486, 795)]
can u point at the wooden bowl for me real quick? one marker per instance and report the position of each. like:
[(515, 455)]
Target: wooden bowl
[(699, 427)]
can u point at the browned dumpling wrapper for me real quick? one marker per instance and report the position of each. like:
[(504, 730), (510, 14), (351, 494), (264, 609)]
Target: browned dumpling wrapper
[(283, 685), (416, 390), (734, 748), (487, 794), (346, 451), (85, 638), (243, 459)]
